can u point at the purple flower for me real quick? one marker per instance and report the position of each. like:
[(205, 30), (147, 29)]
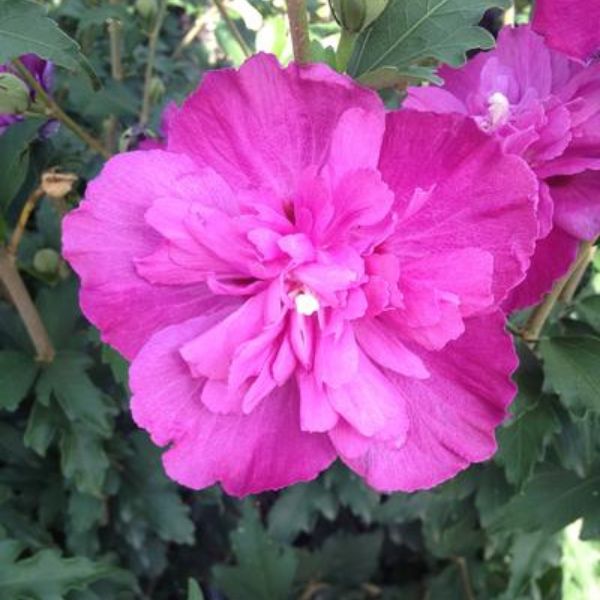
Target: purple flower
[(300, 277), (546, 108)]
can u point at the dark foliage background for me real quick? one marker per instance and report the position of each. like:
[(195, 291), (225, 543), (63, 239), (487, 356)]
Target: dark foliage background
[(85, 510)]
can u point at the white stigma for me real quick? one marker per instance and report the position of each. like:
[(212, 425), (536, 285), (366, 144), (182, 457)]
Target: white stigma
[(499, 109), (306, 303)]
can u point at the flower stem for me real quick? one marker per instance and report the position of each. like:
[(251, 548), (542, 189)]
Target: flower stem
[(588, 251), (152, 44), (10, 277), (235, 32), (298, 18), (535, 324), (56, 112), (28, 208)]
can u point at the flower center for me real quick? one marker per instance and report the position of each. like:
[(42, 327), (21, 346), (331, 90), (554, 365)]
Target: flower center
[(306, 303), (498, 109)]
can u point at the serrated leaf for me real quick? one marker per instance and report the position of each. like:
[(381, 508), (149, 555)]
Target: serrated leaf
[(352, 492), (83, 459), (148, 496), (522, 442), (264, 569), (82, 402), (17, 374), (298, 508), (46, 575), (550, 501), (412, 33), (42, 426), (25, 28), (571, 368)]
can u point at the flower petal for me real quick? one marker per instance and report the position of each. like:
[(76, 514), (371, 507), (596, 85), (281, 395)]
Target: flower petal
[(452, 415), (265, 450), (104, 236), (262, 125)]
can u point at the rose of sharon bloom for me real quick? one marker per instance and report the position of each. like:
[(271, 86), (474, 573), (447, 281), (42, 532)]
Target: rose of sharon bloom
[(571, 26), (41, 69), (545, 108), (299, 277)]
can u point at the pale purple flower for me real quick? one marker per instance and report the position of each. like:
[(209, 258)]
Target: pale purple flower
[(546, 108), (300, 277)]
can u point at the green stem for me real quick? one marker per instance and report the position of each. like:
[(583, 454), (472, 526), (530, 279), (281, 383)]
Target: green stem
[(54, 111), (345, 49), (152, 44), (298, 18), (235, 32)]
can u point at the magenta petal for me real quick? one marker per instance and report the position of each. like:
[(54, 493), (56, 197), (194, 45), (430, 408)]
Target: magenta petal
[(452, 414), (262, 125), (383, 414), (577, 204), (316, 412), (104, 236), (570, 26), (552, 259), (245, 453), (479, 199), (210, 354), (382, 345)]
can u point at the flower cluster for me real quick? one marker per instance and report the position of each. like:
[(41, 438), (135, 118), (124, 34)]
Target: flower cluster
[(300, 275), (543, 107), (16, 92)]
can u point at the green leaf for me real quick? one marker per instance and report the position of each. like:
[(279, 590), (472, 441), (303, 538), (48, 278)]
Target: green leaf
[(25, 28), (550, 501), (589, 309), (345, 560), (148, 496), (194, 591), (523, 441), (352, 492), (17, 374), (14, 157), (532, 554), (83, 460), (411, 35), (46, 575), (298, 508), (264, 569), (81, 401), (59, 309), (571, 368), (42, 425)]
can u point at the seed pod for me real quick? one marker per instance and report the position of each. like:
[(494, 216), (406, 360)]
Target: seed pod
[(46, 261)]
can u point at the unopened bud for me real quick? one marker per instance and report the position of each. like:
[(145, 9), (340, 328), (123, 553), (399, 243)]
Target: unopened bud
[(356, 15), (46, 261), (14, 95), (146, 8)]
